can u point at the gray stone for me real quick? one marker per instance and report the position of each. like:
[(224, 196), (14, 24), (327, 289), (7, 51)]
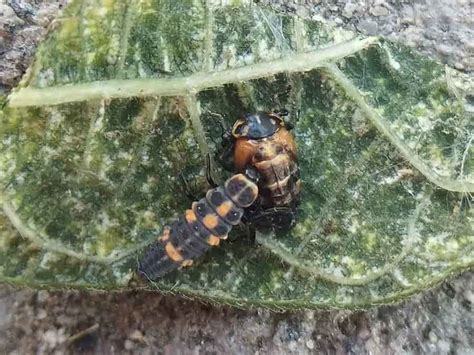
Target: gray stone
[(349, 9), (378, 11), (368, 26)]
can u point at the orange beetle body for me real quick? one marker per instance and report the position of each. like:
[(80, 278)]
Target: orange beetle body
[(263, 142)]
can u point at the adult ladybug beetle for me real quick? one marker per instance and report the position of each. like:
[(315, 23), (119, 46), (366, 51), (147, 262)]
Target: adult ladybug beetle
[(263, 193), (262, 140)]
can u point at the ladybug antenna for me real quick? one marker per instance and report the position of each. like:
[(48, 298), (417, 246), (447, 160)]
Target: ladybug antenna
[(283, 112)]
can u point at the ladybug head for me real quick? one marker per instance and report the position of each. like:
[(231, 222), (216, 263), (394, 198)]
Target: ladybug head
[(257, 125)]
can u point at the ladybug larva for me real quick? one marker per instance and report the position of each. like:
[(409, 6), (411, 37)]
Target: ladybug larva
[(204, 225), (263, 193)]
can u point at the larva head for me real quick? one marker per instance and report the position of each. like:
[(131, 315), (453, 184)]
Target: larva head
[(241, 190)]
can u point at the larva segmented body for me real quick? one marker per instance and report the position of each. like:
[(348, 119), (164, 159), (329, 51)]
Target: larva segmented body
[(208, 221)]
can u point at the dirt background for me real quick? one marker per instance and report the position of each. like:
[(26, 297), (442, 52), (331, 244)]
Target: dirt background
[(439, 321)]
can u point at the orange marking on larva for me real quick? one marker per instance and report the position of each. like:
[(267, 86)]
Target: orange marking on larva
[(240, 177), (224, 208), (173, 253), (210, 221), (213, 240), (190, 216), (187, 262), (165, 236)]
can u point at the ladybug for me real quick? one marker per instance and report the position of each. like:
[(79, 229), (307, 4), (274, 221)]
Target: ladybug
[(263, 141), (263, 193)]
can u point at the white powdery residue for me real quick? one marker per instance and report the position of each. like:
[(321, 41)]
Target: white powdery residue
[(48, 153), (443, 241), (125, 156), (347, 260), (87, 246), (101, 11), (452, 245), (104, 167), (89, 57), (45, 78), (49, 258), (166, 163), (165, 56), (146, 188), (145, 158), (20, 178), (137, 58), (7, 167), (425, 123), (7, 141), (343, 295), (439, 168), (114, 47), (413, 145), (222, 3), (400, 174), (333, 163), (68, 139), (228, 57), (391, 60), (78, 206), (352, 266), (99, 122), (262, 49), (149, 215), (397, 274), (236, 282), (353, 226), (190, 139), (105, 222), (247, 58), (307, 140), (55, 118), (340, 35), (150, 184), (334, 270), (437, 239)]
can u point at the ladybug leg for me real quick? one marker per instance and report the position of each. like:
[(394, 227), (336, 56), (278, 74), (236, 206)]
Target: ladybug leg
[(243, 230), (225, 154), (250, 234), (187, 190), (284, 113), (210, 180), (225, 150), (280, 218)]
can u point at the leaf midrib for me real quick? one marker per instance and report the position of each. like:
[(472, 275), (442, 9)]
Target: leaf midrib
[(116, 88)]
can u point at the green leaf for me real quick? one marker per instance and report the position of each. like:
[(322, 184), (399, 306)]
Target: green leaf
[(125, 96)]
